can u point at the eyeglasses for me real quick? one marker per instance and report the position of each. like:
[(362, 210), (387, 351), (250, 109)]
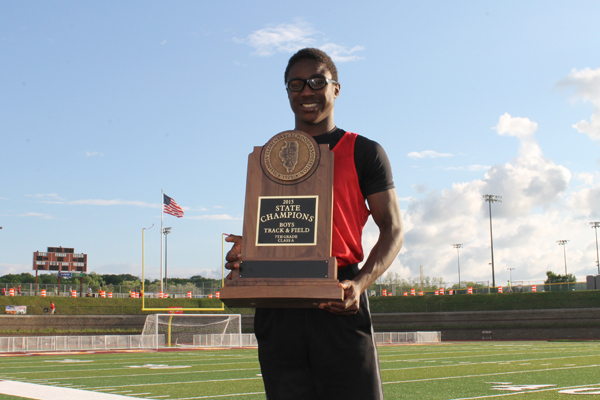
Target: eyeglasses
[(296, 85)]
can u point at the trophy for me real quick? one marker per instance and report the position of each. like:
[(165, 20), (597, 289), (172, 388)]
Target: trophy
[(288, 214)]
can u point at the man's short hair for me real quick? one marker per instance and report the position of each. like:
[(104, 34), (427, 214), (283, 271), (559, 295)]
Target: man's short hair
[(312, 54)]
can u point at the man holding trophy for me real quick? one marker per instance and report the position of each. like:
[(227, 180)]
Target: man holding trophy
[(328, 351)]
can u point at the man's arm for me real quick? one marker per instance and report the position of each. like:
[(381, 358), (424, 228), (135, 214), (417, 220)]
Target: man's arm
[(385, 210)]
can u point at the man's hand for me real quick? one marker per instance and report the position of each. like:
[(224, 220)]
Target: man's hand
[(351, 302), (234, 256)]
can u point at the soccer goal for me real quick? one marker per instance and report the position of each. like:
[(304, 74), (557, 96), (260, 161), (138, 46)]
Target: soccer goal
[(193, 330)]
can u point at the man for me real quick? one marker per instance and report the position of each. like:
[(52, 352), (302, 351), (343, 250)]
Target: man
[(329, 352), (52, 308)]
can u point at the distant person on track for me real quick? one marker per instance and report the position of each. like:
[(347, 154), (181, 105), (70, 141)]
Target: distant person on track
[(52, 308)]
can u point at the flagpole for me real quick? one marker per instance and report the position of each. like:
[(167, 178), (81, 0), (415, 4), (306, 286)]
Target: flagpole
[(162, 207)]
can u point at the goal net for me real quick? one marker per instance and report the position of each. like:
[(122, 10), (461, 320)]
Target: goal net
[(198, 330)]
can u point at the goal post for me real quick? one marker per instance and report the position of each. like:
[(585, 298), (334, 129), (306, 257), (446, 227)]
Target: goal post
[(192, 330)]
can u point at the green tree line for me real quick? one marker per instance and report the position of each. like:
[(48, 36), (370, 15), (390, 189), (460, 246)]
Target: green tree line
[(94, 279)]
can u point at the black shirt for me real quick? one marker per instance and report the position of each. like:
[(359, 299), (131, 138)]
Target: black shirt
[(372, 164)]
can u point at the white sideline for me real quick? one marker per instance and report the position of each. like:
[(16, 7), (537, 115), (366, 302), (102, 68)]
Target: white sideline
[(41, 392)]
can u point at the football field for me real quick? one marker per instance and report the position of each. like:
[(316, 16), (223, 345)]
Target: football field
[(472, 370)]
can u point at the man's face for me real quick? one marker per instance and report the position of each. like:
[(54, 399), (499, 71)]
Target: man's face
[(312, 108)]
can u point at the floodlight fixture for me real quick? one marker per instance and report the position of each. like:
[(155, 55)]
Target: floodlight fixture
[(563, 243), (458, 246)]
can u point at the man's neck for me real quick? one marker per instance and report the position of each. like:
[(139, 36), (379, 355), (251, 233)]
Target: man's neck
[(317, 129)]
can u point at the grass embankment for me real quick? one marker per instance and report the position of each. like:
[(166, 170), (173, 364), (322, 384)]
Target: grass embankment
[(486, 302), (396, 304), (117, 306)]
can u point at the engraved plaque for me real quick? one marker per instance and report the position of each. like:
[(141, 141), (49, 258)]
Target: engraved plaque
[(287, 221)]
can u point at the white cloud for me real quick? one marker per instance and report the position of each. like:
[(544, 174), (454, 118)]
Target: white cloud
[(93, 153), (282, 38), (341, 53), (522, 128), (215, 217), (539, 206), (35, 215), (42, 195), (428, 154), (470, 168), (6, 269), (291, 37), (585, 84), (102, 202)]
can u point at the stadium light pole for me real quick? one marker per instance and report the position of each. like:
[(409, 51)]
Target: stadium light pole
[(510, 270), (458, 246), (490, 198), (166, 231), (564, 244), (594, 225)]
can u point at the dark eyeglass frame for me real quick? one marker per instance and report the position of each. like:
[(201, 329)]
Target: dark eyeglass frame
[(311, 83)]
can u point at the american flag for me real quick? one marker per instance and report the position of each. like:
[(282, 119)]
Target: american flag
[(171, 207)]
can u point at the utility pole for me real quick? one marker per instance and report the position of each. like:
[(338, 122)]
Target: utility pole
[(564, 244), (166, 231), (458, 246), (490, 198), (594, 225)]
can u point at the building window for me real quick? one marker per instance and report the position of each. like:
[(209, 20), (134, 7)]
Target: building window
[(80, 269), (61, 255)]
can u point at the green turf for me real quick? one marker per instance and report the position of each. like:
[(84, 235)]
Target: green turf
[(428, 372)]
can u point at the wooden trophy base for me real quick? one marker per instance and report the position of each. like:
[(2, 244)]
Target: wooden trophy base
[(279, 295), (294, 286)]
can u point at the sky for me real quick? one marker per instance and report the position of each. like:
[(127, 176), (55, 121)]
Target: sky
[(103, 104)]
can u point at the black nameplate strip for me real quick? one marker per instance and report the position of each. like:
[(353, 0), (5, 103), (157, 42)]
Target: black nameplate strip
[(284, 269)]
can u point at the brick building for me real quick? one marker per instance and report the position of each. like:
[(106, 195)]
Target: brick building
[(59, 259)]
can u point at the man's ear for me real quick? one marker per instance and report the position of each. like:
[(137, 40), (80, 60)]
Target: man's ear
[(336, 91)]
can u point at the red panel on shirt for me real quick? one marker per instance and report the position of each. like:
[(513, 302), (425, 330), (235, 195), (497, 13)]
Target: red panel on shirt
[(350, 212)]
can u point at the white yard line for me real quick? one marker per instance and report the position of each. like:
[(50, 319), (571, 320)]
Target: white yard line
[(468, 364), (42, 392), (221, 395), (149, 374), (179, 383), (490, 374)]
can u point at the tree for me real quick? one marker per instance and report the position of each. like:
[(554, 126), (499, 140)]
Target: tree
[(554, 278)]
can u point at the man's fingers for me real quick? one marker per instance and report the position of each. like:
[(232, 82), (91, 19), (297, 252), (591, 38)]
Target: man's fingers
[(236, 239)]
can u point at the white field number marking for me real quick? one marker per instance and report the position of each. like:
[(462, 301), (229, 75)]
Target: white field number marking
[(160, 366), (581, 391)]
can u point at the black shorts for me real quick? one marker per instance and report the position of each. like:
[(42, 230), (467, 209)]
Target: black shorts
[(313, 354)]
